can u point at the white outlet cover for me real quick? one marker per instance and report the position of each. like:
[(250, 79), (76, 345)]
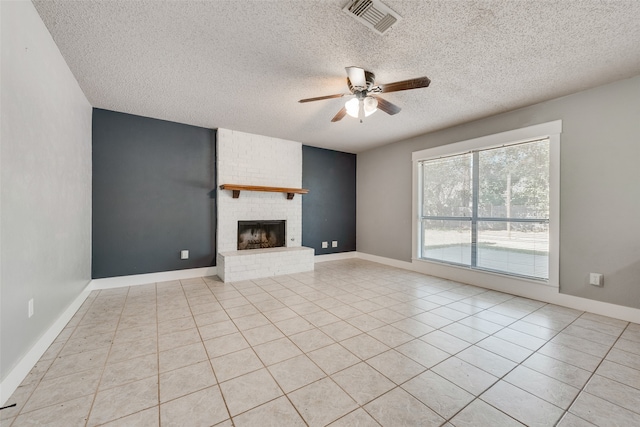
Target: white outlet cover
[(325, 245), (334, 244), (596, 279), (184, 254)]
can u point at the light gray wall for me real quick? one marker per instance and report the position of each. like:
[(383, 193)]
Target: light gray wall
[(599, 189), (45, 250)]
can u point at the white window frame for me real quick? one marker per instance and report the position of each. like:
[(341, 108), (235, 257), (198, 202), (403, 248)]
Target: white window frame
[(550, 130)]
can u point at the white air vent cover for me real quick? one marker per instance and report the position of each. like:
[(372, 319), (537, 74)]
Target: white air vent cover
[(373, 14)]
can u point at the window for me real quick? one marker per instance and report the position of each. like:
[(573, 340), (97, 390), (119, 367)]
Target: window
[(491, 206)]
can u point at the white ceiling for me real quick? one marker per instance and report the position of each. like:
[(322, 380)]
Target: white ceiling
[(244, 64)]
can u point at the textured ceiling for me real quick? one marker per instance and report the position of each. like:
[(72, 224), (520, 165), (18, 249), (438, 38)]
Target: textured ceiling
[(244, 64)]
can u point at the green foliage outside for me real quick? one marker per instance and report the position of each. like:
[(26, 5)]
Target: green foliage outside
[(514, 183)]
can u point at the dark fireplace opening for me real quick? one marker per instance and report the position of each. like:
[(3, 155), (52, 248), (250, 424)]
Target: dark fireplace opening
[(261, 234)]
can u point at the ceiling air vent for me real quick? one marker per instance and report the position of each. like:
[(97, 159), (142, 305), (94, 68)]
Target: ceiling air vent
[(373, 14)]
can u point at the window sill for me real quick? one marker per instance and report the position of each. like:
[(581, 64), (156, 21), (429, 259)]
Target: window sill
[(473, 276)]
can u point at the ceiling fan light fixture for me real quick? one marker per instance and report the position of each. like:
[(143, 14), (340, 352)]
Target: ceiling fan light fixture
[(359, 108), (370, 105), (353, 107)]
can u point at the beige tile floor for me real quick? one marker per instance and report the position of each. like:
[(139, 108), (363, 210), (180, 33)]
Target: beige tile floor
[(352, 344)]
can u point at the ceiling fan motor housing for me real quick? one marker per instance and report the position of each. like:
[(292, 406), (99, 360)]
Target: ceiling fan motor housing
[(369, 77)]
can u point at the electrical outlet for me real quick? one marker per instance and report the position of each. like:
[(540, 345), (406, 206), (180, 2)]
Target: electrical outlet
[(325, 245), (596, 279), (31, 307), (334, 244), (184, 254)]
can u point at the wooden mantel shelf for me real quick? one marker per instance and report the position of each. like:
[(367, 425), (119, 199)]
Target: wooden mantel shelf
[(236, 188)]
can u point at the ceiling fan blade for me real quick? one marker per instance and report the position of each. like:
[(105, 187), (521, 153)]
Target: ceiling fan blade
[(406, 85), (320, 98), (340, 115), (387, 106), (356, 76)]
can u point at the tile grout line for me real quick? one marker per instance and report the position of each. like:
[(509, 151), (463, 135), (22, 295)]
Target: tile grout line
[(490, 335), (133, 358), (583, 388), (478, 397), (47, 370), (155, 288), (520, 363), (396, 386), (364, 361), (286, 395), (215, 376), (327, 376), (95, 395), (448, 420)]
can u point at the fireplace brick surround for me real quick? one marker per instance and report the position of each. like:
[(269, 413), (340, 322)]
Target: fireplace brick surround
[(258, 160)]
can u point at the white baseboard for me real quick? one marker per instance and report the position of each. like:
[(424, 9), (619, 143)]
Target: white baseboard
[(512, 286), (22, 369), (386, 261), (335, 257), (143, 279)]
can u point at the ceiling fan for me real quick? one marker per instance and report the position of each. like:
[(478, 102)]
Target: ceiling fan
[(361, 83)]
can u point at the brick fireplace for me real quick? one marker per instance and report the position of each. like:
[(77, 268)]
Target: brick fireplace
[(259, 161)]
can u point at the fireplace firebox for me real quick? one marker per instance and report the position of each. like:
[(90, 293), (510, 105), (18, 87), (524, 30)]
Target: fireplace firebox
[(261, 234)]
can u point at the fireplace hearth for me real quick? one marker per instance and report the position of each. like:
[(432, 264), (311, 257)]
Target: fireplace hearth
[(261, 234)]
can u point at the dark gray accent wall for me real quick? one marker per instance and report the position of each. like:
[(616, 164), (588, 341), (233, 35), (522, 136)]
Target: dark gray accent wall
[(329, 209), (152, 181)]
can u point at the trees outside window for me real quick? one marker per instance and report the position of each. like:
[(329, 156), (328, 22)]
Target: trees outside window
[(488, 209)]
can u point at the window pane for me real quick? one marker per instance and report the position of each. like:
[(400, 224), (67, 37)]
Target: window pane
[(520, 248), (448, 241), (514, 181), (447, 186)]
